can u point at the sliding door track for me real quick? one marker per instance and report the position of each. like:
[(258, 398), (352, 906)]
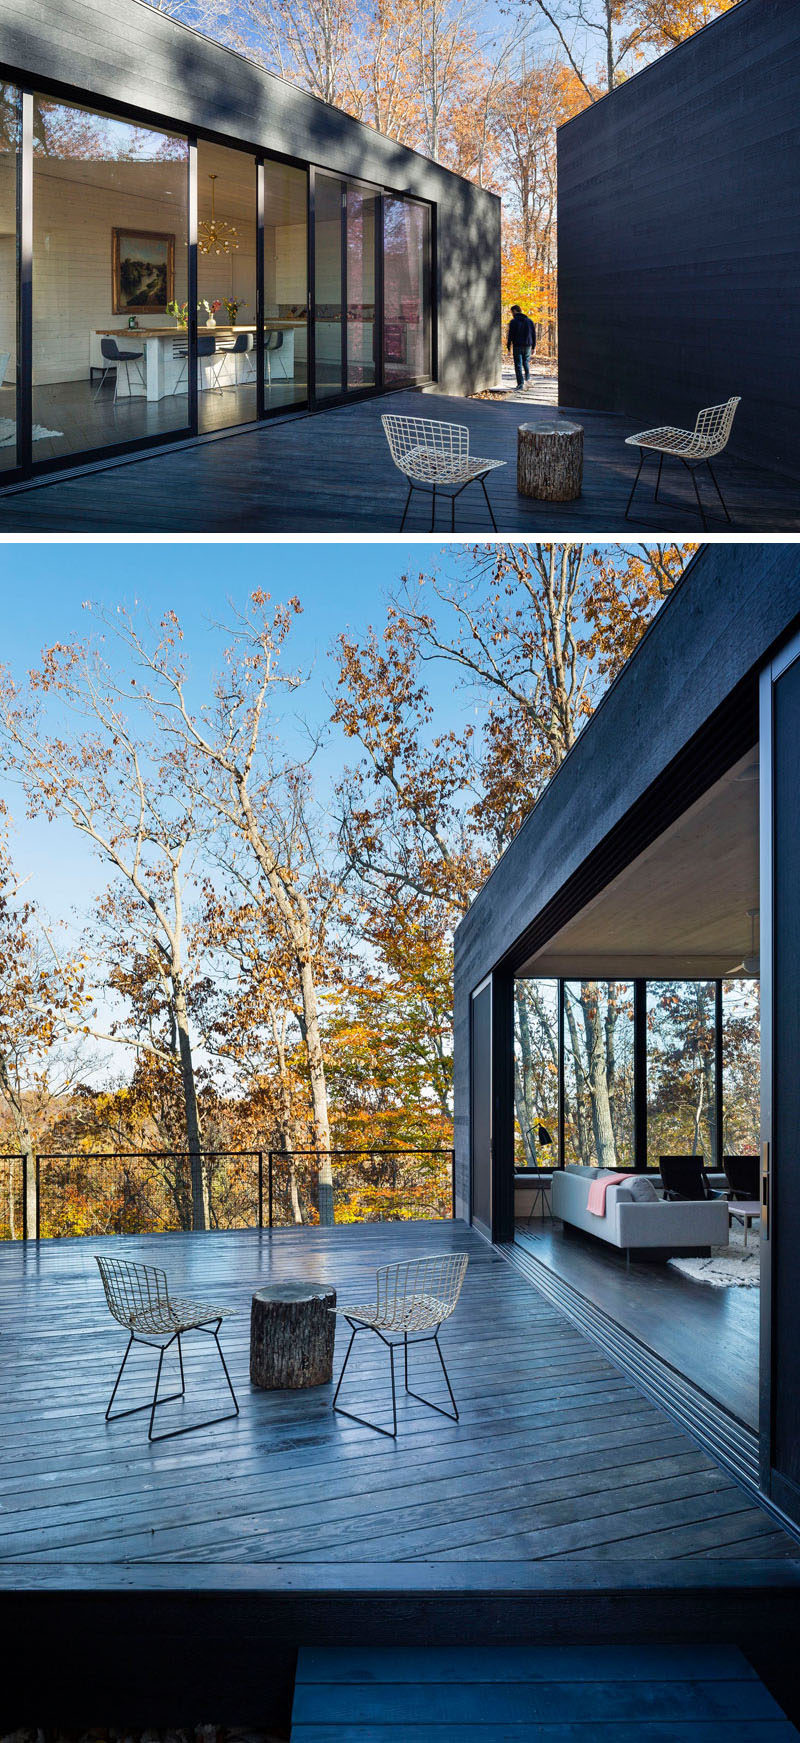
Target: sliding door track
[(730, 1441)]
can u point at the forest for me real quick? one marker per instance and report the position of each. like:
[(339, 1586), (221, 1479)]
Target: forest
[(478, 88), (267, 967)]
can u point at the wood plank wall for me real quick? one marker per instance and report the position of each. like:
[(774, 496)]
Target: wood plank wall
[(679, 240)]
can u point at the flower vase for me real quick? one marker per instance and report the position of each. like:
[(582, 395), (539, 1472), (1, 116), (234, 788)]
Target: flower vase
[(211, 322)]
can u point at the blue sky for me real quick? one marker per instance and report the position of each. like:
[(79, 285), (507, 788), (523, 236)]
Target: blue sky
[(43, 588)]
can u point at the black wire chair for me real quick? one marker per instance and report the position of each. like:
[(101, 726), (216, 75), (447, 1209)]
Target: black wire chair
[(139, 1299)]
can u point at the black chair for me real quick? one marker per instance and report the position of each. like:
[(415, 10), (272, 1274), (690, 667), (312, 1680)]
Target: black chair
[(116, 360), (273, 342), (685, 1177), (742, 1175), (242, 346)]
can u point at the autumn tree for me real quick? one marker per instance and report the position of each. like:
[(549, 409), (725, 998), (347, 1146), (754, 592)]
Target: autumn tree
[(259, 801), (604, 40), (41, 998), (532, 634), (124, 791)]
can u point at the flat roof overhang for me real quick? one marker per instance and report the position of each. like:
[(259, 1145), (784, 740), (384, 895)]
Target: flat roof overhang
[(682, 908)]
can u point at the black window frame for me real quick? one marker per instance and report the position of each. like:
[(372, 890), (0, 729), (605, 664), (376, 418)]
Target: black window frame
[(28, 469)]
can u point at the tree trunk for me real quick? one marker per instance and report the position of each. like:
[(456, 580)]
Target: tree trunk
[(200, 1212), (550, 461), (287, 1131), (602, 1124), (292, 1334), (319, 1089), (12, 1095), (580, 1111)]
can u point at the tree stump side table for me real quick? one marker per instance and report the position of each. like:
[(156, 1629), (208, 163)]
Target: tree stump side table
[(550, 460), (292, 1336)]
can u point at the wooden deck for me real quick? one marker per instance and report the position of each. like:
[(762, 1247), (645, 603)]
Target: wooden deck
[(332, 472), (563, 1505), (556, 1455)]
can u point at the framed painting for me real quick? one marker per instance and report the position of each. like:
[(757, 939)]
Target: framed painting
[(142, 271)]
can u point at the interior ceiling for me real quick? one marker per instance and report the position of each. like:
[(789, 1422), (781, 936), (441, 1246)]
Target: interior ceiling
[(234, 193), (680, 910)]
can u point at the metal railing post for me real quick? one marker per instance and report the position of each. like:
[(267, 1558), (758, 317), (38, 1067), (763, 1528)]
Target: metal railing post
[(453, 1181), (269, 1186), (24, 1198), (261, 1189), (38, 1198)]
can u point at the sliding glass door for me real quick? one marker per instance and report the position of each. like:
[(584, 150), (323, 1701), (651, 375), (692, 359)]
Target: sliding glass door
[(131, 331), (406, 291), (363, 206), (285, 286), (9, 159), (110, 254), (227, 279), (346, 229)]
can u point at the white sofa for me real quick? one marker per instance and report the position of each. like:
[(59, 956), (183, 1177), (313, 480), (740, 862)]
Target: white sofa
[(655, 1229)]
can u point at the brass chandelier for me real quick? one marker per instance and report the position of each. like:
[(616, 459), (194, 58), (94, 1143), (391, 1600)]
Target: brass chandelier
[(214, 235)]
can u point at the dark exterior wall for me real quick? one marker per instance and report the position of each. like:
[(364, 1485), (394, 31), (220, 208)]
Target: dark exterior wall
[(135, 56), (679, 237), (733, 604)]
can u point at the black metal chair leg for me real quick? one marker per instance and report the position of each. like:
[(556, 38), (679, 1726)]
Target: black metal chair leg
[(136, 1409), (405, 510), (119, 1376), (488, 504), (345, 1362), (719, 492), (227, 1376), (155, 1394), (211, 1421), (180, 1359), (658, 480), (433, 509), (390, 1433), (418, 1395), (693, 471), (635, 482)]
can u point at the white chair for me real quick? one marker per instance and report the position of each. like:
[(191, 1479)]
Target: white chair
[(139, 1299), (693, 447), (413, 1298), (432, 454)]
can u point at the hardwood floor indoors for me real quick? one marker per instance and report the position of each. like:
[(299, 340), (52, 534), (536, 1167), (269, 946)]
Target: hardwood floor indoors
[(710, 1335)]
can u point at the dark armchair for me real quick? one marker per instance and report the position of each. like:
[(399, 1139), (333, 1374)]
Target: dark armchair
[(742, 1175), (685, 1177)]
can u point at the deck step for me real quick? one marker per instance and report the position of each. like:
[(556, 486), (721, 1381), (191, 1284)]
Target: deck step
[(625, 1694)]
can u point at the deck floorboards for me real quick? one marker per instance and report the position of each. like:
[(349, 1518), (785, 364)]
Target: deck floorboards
[(332, 473), (557, 1456)]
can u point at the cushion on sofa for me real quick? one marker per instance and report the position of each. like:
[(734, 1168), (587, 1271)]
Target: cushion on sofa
[(638, 1190)]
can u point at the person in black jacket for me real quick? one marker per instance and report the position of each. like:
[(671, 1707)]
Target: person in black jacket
[(521, 341)]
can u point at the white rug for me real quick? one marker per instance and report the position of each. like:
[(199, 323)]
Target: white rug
[(733, 1267), (8, 432)]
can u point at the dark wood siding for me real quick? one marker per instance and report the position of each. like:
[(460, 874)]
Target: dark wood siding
[(785, 1211), (679, 237), (700, 657)]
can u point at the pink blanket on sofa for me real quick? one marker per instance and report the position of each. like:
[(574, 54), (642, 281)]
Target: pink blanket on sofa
[(596, 1202)]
